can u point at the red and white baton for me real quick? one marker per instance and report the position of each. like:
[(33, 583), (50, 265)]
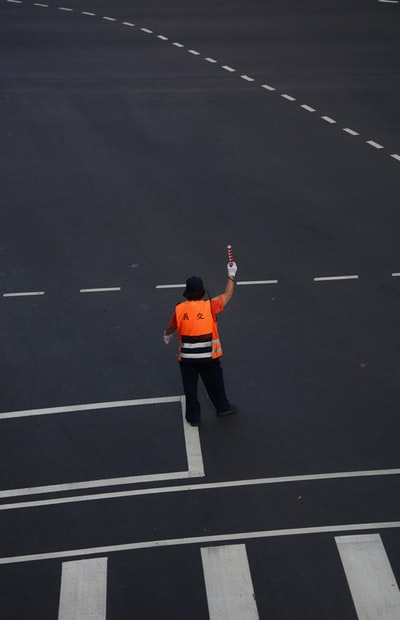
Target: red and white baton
[(230, 255)]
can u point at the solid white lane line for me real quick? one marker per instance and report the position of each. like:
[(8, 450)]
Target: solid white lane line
[(327, 278), (288, 97), (229, 587), (350, 131), (193, 447), (188, 487), (83, 593), (395, 156), (250, 282), (370, 577), (267, 87), (24, 294), (247, 78), (90, 407), (328, 119), (110, 289), (173, 542), (307, 107), (228, 68), (374, 144)]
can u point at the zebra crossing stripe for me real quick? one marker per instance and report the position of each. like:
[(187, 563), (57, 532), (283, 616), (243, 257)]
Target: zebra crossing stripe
[(229, 586), (83, 590), (370, 577)]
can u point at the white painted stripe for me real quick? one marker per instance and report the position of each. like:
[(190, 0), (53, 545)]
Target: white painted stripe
[(375, 144), (350, 131), (110, 289), (389, 1), (251, 282), (110, 19), (178, 44), (307, 107), (327, 278), (247, 78), (170, 286), (162, 37), (173, 542), (194, 52), (228, 68), (15, 1), (229, 587), (395, 156), (83, 594), (197, 487), (146, 30), (24, 294), (370, 577), (212, 60), (395, 275), (87, 13), (64, 8), (193, 447), (328, 119), (288, 97), (90, 407), (128, 24), (267, 87)]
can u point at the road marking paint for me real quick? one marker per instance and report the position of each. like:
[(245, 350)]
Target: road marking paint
[(350, 131), (328, 119), (110, 289), (228, 68), (229, 587), (88, 13), (37, 4), (162, 37), (15, 1), (83, 593), (194, 52), (194, 540), (192, 449), (288, 97), (389, 1), (267, 87), (212, 60), (160, 286), (146, 30), (395, 275), (374, 144), (24, 294), (327, 278), (189, 487), (178, 44), (370, 576), (307, 107), (109, 19), (128, 24), (250, 282), (64, 8), (247, 78), (395, 156)]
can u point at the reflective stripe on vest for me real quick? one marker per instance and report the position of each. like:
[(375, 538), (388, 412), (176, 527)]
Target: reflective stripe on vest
[(197, 331)]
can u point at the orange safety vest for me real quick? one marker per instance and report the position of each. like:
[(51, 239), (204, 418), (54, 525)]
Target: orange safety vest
[(197, 331)]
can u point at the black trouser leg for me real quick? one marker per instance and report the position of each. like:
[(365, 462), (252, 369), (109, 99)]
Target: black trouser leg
[(213, 378), (190, 376)]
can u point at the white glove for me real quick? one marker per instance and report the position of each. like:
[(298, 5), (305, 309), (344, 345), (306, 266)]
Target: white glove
[(232, 269), (167, 338)]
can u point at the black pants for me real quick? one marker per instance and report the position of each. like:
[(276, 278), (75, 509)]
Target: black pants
[(212, 376)]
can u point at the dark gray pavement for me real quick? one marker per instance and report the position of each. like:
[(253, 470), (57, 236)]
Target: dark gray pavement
[(129, 162)]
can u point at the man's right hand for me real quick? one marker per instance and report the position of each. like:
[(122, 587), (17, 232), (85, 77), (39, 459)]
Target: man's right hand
[(232, 269)]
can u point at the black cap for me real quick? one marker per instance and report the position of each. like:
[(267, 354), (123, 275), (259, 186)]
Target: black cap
[(194, 284)]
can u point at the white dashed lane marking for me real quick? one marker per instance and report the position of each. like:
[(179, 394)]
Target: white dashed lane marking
[(228, 68)]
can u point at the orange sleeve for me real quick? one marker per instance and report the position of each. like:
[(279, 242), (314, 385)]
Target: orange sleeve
[(217, 304)]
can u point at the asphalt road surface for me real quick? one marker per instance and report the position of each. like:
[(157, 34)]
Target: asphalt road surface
[(138, 140)]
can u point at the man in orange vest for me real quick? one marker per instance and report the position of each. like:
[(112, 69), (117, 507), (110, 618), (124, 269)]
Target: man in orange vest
[(199, 347)]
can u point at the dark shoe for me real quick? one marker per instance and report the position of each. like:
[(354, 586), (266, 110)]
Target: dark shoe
[(232, 409)]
